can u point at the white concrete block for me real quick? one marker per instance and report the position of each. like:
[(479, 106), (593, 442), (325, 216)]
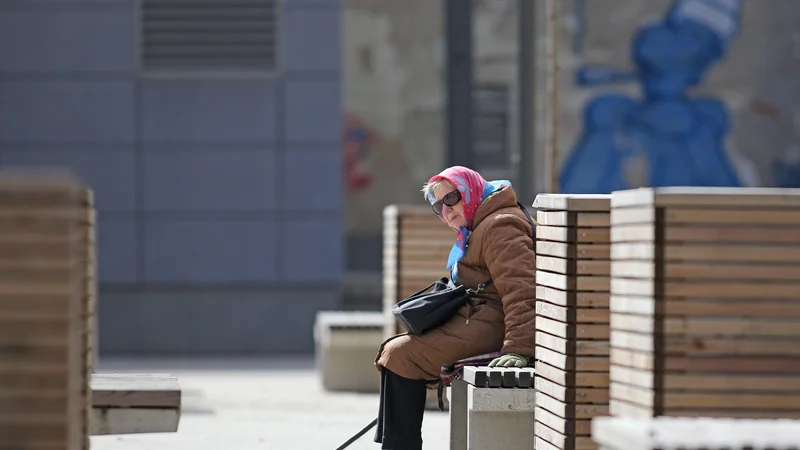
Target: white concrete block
[(496, 418), (457, 397), (501, 399), (494, 430), (133, 420), (346, 346)]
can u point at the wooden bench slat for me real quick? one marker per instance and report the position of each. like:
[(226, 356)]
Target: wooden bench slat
[(573, 202), (499, 377), (135, 390)]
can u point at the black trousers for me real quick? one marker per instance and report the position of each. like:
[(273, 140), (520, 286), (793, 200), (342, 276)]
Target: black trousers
[(402, 405)]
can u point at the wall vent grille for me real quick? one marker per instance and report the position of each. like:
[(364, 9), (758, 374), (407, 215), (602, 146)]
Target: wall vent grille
[(209, 35)]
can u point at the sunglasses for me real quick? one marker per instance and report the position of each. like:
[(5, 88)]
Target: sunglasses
[(450, 200)]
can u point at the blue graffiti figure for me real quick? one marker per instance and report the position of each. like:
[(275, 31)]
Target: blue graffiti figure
[(786, 175), (786, 170), (666, 138)]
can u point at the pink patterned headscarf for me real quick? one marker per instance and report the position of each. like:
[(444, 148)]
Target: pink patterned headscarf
[(474, 190), (469, 183)]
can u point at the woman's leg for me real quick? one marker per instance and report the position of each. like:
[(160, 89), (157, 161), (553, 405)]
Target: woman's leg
[(406, 360), (401, 408)]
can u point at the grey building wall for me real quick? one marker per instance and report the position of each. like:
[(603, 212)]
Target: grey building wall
[(219, 200)]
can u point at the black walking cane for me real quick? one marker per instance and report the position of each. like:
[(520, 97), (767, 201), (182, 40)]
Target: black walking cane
[(358, 435)]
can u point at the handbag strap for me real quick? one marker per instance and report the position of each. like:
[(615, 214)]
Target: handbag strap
[(530, 221), (424, 289)]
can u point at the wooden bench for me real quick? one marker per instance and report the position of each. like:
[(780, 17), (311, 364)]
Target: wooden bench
[(572, 317), (667, 433), (48, 329), (492, 408), (45, 318), (705, 310), (416, 245), (134, 403)]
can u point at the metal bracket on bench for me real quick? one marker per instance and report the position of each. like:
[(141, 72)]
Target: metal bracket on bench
[(497, 377)]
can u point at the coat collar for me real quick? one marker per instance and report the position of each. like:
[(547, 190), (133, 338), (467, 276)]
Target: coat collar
[(504, 197)]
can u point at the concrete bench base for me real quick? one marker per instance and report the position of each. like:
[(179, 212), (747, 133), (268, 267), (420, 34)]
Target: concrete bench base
[(133, 420), (134, 403), (490, 417), (346, 346)]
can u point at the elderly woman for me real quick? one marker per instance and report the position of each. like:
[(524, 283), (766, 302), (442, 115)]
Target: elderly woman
[(494, 242)]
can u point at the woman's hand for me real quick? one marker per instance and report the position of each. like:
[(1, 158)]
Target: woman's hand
[(509, 360)]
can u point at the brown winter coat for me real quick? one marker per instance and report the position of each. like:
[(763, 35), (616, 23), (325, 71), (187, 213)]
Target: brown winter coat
[(500, 248)]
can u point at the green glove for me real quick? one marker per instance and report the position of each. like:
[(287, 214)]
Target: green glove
[(509, 360)]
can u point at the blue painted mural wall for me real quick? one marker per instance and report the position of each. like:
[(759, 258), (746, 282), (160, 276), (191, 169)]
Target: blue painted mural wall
[(679, 92), (219, 201)]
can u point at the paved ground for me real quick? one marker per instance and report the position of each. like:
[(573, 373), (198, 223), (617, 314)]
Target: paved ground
[(258, 404)]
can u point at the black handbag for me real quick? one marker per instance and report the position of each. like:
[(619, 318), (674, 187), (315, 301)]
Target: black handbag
[(424, 310)]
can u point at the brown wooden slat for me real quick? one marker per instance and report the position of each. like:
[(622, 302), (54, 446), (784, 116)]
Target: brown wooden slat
[(561, 441), (573, 202), (580, 283), (706, 364), (572, 315), (573, 298), (733, 197), (755, 254), (571, 362), (690, 271), (705, 382), (135, 390), (720, 307), (573, 266), (704, 216), (572, 346), (732, 289), (647, 398), (742, 327), (573, 331), (707, 234), (571, 378), (697, 346), (573, 234), (573, 251), (573, 219), (581, 427), (570, 410)]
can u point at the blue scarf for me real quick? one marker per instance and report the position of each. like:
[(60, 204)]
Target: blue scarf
[(457, 252)]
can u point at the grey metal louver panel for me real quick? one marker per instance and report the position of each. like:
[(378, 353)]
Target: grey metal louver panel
[(209, 35)]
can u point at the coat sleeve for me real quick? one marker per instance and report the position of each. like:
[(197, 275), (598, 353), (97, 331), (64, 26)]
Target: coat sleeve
[(508, 252)]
